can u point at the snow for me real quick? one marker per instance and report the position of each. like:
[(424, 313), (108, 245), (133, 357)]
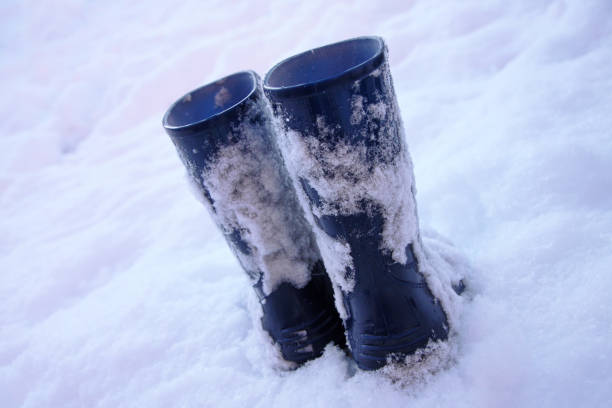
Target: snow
[(251, 196), (118, 290)]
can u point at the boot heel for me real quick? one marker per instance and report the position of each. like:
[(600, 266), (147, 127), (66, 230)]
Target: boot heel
[(303, 321)]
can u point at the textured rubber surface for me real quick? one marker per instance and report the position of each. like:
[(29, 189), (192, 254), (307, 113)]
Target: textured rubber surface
[(302, 321), (391, 312)]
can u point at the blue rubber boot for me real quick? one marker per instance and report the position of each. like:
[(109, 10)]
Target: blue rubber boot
[(223, 135), (342, 139)]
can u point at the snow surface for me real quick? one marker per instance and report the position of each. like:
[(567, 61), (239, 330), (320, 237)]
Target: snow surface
[(117, 289)]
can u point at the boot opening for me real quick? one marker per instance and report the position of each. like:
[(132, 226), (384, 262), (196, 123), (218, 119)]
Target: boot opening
[(324, 63), (210, 100)]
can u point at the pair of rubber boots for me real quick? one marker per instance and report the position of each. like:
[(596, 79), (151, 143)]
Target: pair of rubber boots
[(309, 179)]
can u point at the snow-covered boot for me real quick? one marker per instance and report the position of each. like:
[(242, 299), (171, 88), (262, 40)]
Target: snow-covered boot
[(342, 139), (223, 135)]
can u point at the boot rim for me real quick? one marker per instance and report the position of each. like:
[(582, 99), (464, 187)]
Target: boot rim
[(210, 118), (368, 63)]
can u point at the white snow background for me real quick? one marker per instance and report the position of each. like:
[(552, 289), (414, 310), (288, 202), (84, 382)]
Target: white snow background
[(116, 290)]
